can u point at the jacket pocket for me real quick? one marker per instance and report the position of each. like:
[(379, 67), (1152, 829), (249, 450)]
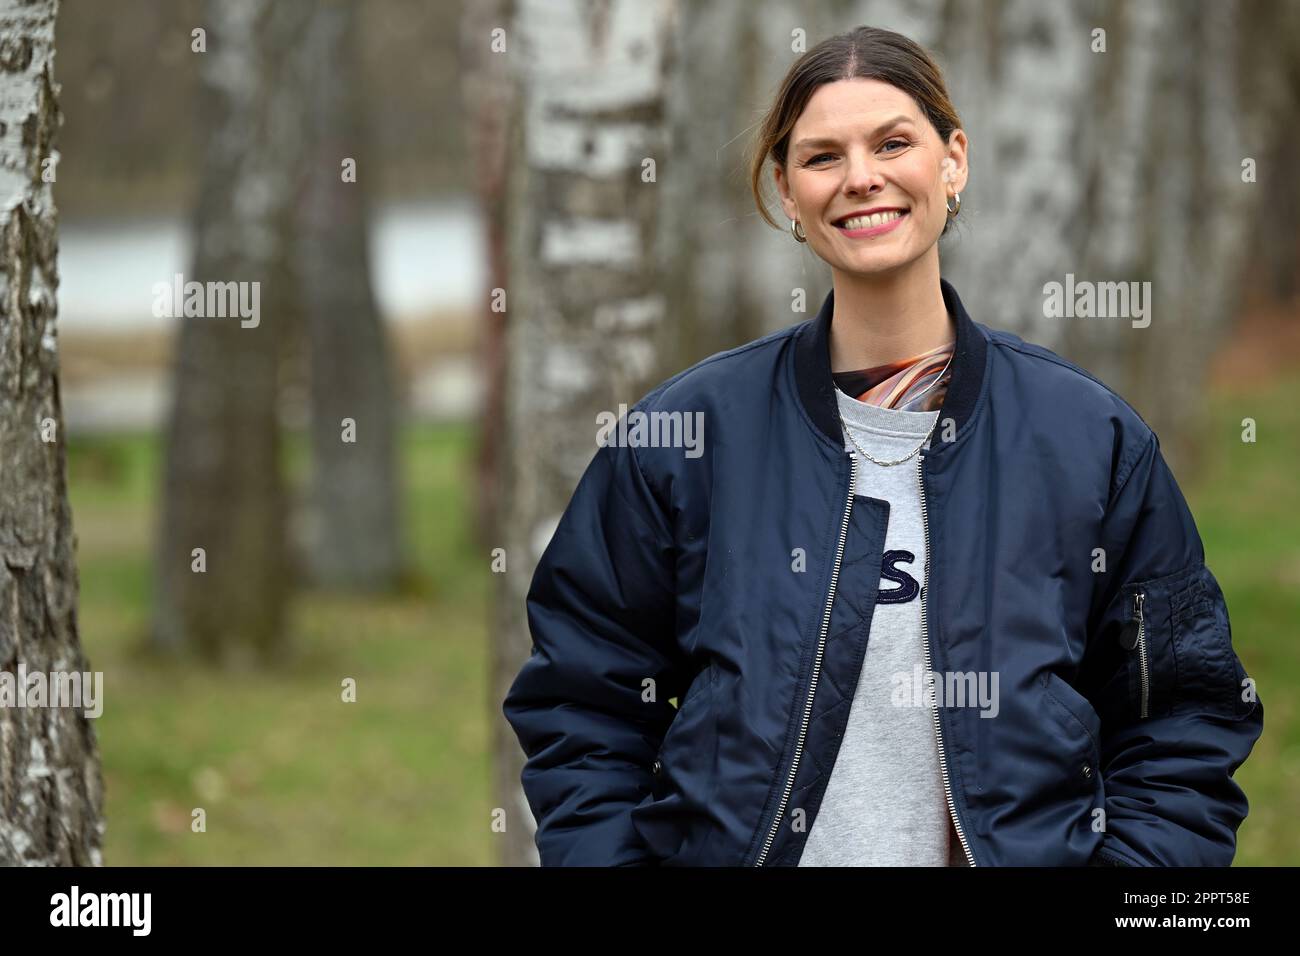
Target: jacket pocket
[(1178, 638), (702, 682), (669, 820), (1083, 725)]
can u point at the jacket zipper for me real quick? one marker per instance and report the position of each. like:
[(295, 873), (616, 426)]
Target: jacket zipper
[(925, 639), (817, 661), (1138, 599)]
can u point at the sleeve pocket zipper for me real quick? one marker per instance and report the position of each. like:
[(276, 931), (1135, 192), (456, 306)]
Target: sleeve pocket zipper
[(1134, 635)]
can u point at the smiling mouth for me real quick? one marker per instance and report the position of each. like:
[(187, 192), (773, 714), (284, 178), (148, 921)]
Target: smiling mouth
[(872, 221)]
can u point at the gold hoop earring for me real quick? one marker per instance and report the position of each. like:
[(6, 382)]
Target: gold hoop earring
[(797, 231), (953, 211)]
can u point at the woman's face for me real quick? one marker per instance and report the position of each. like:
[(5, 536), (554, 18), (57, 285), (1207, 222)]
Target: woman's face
[(862, 144)]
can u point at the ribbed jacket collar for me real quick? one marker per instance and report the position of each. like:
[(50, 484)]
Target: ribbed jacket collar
[(817, 388)]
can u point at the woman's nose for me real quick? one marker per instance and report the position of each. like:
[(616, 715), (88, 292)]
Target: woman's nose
[(861, 174)]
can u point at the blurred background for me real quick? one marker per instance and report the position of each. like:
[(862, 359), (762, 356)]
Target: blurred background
[(548, 213)]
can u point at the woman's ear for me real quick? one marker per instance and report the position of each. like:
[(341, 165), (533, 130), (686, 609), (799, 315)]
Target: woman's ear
[(783, 190), (957, 172)]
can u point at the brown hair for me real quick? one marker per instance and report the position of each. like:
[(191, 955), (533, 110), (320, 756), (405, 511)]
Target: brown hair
[(862, 52)]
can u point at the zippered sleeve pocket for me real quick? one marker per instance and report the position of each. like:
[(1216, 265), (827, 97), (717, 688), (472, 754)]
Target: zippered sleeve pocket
[(1177, 637)]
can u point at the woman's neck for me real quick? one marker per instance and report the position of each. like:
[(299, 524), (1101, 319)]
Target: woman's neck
[(881, 319)]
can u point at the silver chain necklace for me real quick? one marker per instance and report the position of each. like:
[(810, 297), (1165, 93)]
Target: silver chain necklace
[(863, 451)]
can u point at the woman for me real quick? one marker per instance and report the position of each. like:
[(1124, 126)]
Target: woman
[(929, 595)]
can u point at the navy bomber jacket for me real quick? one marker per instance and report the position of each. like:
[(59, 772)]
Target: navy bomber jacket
[(742, 582)]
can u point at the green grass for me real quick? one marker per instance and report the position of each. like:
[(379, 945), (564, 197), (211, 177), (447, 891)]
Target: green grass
[(1244, 505), (288, 773), (285, 771)]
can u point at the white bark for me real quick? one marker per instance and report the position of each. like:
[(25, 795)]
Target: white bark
[(584, 296), (51, 791)]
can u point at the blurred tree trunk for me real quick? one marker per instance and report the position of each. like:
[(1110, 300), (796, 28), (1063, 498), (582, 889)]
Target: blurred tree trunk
[(51, 789), (353, 538), (487, 95), (585, 295), (1159, 198), (222, 490), (1268, 64), (708, 280)]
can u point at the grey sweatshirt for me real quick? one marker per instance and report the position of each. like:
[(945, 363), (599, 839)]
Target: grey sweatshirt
[(884, 803)]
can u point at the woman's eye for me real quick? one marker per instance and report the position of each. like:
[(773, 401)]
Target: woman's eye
[(814, 161)]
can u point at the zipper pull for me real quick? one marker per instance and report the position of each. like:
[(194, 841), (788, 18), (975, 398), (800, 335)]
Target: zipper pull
[(1128, 635)]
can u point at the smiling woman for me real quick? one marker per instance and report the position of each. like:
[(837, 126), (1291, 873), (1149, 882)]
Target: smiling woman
[(789, 579), (821, 122), (869, 161)]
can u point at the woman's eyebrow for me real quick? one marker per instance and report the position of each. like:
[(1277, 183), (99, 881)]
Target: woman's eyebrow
[(820, 141)]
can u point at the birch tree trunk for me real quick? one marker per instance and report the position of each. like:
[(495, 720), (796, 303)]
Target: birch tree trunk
[(51, 790), (584, 296), (353, 538), (222, 490)]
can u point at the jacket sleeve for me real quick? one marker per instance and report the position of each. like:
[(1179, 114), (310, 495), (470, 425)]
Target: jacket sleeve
[(590, 705), (1178, 713)]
